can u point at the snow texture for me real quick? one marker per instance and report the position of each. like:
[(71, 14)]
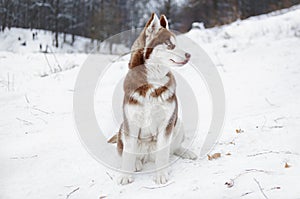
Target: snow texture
[(19, 40)]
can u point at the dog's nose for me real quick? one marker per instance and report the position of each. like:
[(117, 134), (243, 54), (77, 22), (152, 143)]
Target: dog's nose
[(187, 55)]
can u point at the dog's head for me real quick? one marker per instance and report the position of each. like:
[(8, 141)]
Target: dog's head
[(160, 44), (157, 46)]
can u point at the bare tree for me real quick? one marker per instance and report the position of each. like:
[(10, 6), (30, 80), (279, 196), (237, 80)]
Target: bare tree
[(99, 19)]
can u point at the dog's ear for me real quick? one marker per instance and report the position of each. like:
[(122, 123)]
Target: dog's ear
[(152, 25), (150, 20), (164, 22)]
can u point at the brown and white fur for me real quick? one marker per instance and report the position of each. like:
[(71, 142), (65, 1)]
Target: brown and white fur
[(151, 128)]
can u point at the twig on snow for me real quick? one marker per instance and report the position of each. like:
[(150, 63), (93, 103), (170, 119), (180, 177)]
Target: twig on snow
[(50, 67), (260, 188), (69, 194), (247, 193), (25, 121), (24, 157), (271, 104), (109, 176), (250, 192), (230, 183), (27, 100), (279, 118), (37, 109), (276, 152), (257, 170), (276, 127), (263, 126)]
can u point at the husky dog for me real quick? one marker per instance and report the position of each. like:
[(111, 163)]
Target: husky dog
[(151, 129)]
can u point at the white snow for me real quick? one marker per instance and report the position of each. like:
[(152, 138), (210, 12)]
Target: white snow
[(13, 40), (258, 59)]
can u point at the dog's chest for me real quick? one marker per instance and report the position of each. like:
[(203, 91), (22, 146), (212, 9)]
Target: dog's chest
[(153, 110)]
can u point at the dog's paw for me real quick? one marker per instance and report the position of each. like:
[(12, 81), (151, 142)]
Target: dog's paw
[(189, 155), (186, 154), (138, 165), (161, 178), (125, 179)]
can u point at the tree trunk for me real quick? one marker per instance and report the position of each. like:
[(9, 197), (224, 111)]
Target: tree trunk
[(73, 39), (56, 23)]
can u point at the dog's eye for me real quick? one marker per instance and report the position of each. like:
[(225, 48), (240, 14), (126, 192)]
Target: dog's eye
[(169, 45)]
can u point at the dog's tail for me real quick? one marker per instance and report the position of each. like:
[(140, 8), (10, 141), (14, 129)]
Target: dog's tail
[(113, 139), (117, 139)]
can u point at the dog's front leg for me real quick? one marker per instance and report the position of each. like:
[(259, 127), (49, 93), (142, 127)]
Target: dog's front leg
[(162, 157), (129, 155)]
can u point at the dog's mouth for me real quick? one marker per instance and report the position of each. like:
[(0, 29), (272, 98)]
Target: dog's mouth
[(180, 63)]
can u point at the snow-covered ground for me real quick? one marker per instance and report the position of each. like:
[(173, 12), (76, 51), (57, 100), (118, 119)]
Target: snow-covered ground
[(258, 59), (18, 40)]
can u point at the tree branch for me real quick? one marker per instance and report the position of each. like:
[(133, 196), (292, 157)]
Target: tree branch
[(260, 188)]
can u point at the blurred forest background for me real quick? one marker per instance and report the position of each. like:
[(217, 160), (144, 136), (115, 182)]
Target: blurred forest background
[(99, 19)]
